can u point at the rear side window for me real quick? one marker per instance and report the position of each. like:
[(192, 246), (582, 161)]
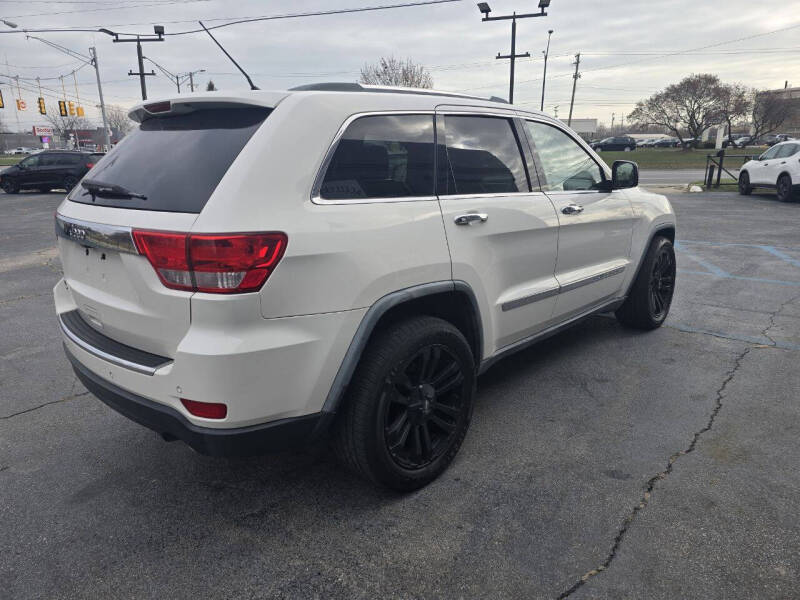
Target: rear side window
[(787, 150), (68, 159), (566, 166), (484, 156), (176, 162), (386, 156)]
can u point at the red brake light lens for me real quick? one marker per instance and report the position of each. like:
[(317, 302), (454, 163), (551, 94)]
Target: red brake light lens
[(205, 410), (217, 264), (89, 165)]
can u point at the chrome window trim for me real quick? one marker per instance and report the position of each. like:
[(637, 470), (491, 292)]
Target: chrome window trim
[(536, 297), (120, 362), (491, 195), (96, 235), (316, 197), (316, 190)]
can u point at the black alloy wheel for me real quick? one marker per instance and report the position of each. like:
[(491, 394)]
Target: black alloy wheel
[(10, 186), (784, 188), (662, 284), (421, 404), (744, 184)]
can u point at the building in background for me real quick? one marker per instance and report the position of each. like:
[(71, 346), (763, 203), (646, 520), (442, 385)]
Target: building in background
[(791, 94)]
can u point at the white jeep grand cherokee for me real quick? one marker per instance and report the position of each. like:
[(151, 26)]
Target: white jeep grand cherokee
[(251, 272)]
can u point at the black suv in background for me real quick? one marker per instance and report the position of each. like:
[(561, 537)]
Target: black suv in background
[(624, 143), (60, 169)]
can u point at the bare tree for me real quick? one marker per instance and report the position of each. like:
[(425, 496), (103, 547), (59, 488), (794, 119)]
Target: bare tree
[(691, 105), (735, 103), (118, 119), (64, 126), (394, 72), (769, 110)]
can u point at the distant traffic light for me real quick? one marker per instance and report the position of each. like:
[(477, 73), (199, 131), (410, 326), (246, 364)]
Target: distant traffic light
[(42, 108), (81, 112), (71, 106), (21, 104), (62, 108), (2, 104)]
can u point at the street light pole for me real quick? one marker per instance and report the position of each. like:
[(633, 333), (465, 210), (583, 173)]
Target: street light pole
[(484, 8), (544, 76), (106, 136)]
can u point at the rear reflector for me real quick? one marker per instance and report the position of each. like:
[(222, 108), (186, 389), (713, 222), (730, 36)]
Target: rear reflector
[(205, 410), (217, 264)]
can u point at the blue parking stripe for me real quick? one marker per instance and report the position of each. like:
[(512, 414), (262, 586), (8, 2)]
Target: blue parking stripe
[(741, 277)]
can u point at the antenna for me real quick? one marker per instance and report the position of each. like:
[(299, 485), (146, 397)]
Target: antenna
[(246, 76)]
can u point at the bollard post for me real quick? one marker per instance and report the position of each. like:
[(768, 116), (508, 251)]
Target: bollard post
[(710, 177), (721, 155)]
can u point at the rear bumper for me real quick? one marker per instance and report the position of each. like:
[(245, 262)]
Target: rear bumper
[(240, 441)]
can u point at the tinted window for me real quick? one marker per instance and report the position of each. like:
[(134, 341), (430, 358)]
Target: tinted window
[(770, 153), (484, 155), (387, 156), (565, 165), (68, 159), (176, 162), (787, 150), (29, 162), (48, 160)]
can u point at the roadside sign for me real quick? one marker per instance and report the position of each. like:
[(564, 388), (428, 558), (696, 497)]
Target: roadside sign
[(41, 130)]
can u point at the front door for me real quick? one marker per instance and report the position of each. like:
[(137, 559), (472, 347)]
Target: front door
[(502, 233), (765, 167), (595, 224)]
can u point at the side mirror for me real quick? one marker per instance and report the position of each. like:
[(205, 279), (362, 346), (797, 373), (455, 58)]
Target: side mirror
[(624, 174)]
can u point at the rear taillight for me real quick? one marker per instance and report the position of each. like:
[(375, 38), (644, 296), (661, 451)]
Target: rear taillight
[(89, 165), (217, 264)]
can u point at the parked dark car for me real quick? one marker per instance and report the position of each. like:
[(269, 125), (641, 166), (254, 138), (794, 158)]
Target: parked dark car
[(669, 142), (624, 143), (44, 171)]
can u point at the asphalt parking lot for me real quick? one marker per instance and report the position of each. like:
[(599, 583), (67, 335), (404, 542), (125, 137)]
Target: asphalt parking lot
[(602, 463)]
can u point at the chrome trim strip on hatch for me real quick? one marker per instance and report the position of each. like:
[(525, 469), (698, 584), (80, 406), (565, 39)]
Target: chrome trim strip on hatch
[(96, 235), (105, 355)]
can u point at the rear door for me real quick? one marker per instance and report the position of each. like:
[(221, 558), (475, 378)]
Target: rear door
[(175, 162), (595, 225), (502, 231)]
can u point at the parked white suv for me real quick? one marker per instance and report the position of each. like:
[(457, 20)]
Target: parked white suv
[(778, 168), (251, 272)]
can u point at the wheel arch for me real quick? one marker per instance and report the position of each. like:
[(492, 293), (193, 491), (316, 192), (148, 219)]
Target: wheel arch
[(666, 230), (453, 301)]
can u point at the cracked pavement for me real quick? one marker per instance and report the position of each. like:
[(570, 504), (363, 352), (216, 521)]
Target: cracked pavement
[(602, 463)]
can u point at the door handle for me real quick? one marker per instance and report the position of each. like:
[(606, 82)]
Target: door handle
[(470, 218), (572, 209)]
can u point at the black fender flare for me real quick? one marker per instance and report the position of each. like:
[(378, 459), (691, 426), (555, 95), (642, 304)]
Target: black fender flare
[(367, 327)]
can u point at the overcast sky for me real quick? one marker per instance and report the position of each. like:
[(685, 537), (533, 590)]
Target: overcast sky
[(625, 47)]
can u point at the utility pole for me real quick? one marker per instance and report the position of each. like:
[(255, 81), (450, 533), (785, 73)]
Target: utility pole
[(613, 116), (106, 135), (555, 111), (191, 81), (159, 37), (622, 123), (544, 76), (575, 78), (484, 8)]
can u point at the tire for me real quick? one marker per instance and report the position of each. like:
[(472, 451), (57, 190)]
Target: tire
[(70, 181), (10, 187), (650, 298), (628, 149), (745, 189), (396, 429), (784, 188)]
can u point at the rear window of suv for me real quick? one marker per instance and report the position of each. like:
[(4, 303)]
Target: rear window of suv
[(175, 162)]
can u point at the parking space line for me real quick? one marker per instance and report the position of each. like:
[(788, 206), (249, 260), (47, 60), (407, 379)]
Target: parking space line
[(766, 248), (713, 269)]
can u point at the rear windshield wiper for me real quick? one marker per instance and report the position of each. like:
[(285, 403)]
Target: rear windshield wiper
[(108, 190)]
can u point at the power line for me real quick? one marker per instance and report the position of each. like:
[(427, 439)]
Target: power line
[(238, 20)]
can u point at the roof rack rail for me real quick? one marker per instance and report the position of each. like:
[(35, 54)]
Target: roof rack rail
[(358, 87)]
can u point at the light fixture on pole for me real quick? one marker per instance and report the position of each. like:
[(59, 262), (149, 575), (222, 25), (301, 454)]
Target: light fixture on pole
[(158, 30), (8, 23), (485, 10)]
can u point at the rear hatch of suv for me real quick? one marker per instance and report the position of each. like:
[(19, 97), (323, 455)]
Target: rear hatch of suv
[(158, 179)]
